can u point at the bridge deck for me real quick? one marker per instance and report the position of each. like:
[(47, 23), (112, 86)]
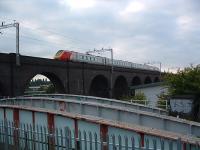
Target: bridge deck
[(114, 113), (103, 101)]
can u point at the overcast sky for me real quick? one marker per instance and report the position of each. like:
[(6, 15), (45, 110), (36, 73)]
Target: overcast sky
[(166, 31)]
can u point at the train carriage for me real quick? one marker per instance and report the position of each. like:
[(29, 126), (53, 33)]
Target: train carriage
[(65, 55)]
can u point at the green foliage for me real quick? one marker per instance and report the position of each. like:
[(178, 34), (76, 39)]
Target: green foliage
[(185, 81), (48, 89), (139, 98), (38, 82), (162, 100)]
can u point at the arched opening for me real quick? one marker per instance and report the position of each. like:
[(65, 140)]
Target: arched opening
[(120, 87), (2, 92), (147, 80), (99, 87), (156, 79), (44, 83), (136, 81)]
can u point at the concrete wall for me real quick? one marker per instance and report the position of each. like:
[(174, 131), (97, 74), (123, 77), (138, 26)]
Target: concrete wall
[(181, 105), (152, 93)]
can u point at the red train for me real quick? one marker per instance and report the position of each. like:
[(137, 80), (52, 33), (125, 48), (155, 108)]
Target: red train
[(65, 55)]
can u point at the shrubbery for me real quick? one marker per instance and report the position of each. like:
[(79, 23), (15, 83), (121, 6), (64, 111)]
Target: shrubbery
[(139, 98)]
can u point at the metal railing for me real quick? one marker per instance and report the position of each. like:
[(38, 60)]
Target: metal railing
[(159, 104), (127, 104), (114, 113), (31, 137)]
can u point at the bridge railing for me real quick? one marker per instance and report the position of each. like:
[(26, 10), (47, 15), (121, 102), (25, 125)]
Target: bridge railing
[(160, 104), (115, 113), (30, 137), (114, 102)]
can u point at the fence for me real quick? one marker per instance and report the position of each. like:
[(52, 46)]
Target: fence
[(160, 104), (29, 137)]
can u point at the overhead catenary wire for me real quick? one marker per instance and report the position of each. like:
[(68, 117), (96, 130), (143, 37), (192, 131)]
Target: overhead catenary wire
[(71, 41), (48, 42), (74, 40)]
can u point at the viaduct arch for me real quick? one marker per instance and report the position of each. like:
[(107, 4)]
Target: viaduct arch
[(156, 79), (120, 88), (147, 80), (51, 76), (99, 86), (2, 89), (136, 81)]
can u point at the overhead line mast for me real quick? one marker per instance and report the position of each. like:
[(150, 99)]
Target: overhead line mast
[(16, 25)]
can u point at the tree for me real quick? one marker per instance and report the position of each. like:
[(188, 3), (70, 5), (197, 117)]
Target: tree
[(50, 89), (186, 82)]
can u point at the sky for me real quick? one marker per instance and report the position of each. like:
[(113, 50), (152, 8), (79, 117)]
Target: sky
[(141, 31)]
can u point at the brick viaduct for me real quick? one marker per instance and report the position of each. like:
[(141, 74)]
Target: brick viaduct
[(69, 77)]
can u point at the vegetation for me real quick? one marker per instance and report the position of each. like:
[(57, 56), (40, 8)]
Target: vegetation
[(139, 98), (48, 89), (162, 100), (40, 86), (38, 82), (186, 82)]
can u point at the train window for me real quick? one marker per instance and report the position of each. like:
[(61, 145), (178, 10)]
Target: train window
[(82, 57), (100, 60), (59, 52), (103, 60)]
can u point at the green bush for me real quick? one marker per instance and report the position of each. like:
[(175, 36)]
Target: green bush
[(139, 98), (162, 100)]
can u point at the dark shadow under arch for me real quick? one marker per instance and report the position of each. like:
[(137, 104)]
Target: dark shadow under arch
[(2, 90), (120, 87), (136, 81), (156, 79), (59, 88), (147, 80), (99, 87)]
